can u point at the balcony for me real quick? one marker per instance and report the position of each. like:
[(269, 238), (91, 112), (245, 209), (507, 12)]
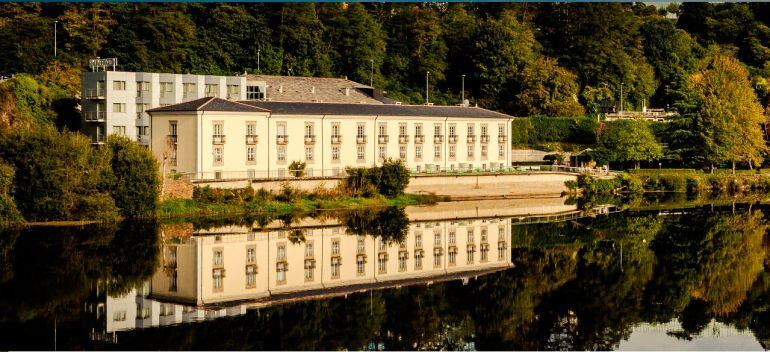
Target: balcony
[(361, 139), (95, 93), (251, 139), (501, 139), (309, 139), (143, 139), (382, 139), (438, 139), (281, 140), (171, 139), (336, 139), (143, 94), (471, 139), (484, 139), (218, 139), (452, 139), (419, 139), (403, 139), (94, 116)]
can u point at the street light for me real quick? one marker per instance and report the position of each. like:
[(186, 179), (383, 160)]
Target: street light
[(462, 90), (371, 75), (427, 75), (55, 29), (259, 51)]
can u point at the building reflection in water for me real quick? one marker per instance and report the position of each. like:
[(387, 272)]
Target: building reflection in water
[(226, 270)]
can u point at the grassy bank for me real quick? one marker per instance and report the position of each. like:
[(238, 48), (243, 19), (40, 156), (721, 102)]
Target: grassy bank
[(675, 180), (302, 204)]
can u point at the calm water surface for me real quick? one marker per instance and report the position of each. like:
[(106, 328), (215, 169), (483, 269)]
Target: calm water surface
[(694, 278)]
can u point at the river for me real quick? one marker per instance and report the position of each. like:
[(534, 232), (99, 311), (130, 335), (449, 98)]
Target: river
[(462, 276)]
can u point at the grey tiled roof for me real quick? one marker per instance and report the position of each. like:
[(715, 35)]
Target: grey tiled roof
[(296, 108), (209, 104), (314, 89)]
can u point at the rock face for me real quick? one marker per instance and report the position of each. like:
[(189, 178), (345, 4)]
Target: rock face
[(177, 189)]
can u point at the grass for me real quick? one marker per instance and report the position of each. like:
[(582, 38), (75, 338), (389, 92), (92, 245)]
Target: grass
[(194, 207)]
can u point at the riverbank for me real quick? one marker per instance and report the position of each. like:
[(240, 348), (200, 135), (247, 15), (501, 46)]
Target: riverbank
[(306, 204), (674, 180)]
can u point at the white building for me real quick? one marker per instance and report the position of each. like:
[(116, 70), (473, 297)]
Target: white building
[(213, 138)]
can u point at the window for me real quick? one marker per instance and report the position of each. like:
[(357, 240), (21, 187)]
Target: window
[(251, 128), (484, 252), (251, 276), (336, 267), (140, 109), (172, 128), (335, 130), (281, 153), (142, 89), (417, 240), (437, 130), (500, 250), (218, 128), (437, 239), (309, 269), (118, 85), (119, 315), (217, 276), (254, 93), (437, 257), (452, 237), (250, 154), (470, 236), (452, 151), (402, 152), (360, 130), (309, 152), (280, 273), (418, 260), (418, 129), (470, 151), (382, 263), (402, 129), (335, 153), (402, 260), (251, 255), (501, 130), (211, 90), (217, 258), (166, 309), (166, 89), (360, 153), (118, 107), (484, 130), (383, 130), (470, 252), (501, 151), (360, 245), (218, 155), (452, 256), (437, 151), (418, 152), (233, 91), (451, 131), (470, 130), (119, 130), (281, 252), (484, 151), (382, 154), (189, 90), (309, 130), (483, 235), (360, 267), (336, 247)]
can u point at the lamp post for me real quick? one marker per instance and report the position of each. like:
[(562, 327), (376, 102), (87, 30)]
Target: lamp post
[(259, 52), (462, 90), (427, 94), (371, 75), (55, 30)]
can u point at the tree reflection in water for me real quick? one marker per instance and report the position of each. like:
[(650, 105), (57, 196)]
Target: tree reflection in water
[(578, 285)]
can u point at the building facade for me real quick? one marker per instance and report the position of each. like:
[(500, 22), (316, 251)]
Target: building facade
[(215, 139)]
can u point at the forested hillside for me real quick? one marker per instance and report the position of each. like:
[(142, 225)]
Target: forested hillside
[(524, 59)]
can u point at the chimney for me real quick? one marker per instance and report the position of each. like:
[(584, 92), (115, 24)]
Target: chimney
[(280, 88), (347, 91)]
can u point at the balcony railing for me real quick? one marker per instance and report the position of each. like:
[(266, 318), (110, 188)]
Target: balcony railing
[(382, 139), (361, 139), (94, 116), (336, 139), (403, 139), (310, 139), (438, 139), (95, 93), (143, 139), (419, 139), (502, 139), (171, 138), (218, 139), (484, 139), (452, 139), (142, 93), (282, 139), (471, 139), (251, 139)]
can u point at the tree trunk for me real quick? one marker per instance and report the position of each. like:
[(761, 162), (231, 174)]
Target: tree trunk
[(637, 165), (711, 169), (733, 168), (751, 165)]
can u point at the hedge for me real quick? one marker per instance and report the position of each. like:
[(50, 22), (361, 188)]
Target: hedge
[(542, 129)]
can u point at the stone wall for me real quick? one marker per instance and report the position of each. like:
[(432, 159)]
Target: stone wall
[(177, 189)]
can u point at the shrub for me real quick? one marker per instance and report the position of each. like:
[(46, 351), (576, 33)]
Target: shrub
[(390, 180), (542, 129), (135, 181), (297, 168), (9, 214)]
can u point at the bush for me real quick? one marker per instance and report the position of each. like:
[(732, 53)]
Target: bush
[(9, 214), (134, 181), (542, 129), (390, 180), (297, 168), (55, 172)]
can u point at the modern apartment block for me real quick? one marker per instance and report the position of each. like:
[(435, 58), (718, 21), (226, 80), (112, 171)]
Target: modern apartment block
[(115, 102), (213, 138), (239, 264)]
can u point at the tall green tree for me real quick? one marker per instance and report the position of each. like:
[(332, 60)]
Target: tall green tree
[(357, 41), (134, 182), (545, 88), (630, 141)]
